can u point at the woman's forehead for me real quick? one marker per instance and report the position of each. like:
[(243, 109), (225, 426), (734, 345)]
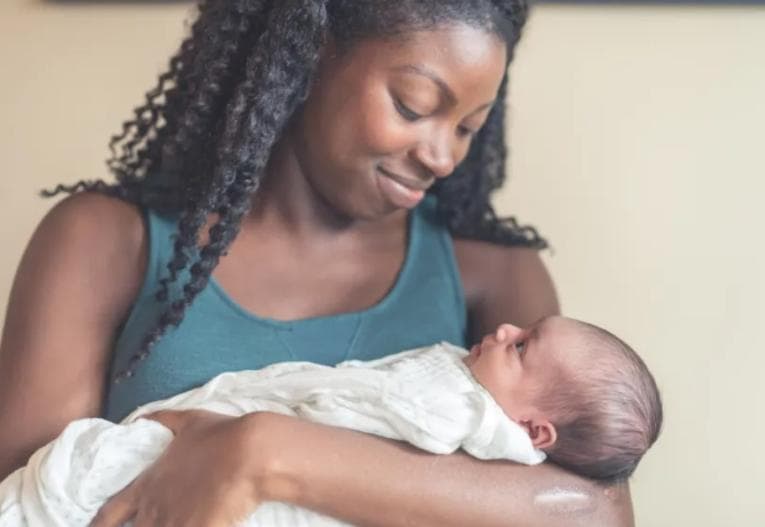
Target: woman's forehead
[(460, 44), (460, 55)]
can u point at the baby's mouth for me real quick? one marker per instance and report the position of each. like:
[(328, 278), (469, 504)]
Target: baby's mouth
[(472, 356)]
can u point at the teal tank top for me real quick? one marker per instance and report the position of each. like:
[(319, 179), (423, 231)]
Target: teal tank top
[(425, 305)]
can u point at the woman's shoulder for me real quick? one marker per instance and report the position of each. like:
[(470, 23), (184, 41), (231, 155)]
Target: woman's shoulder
[(504, 284), (102, 235), (96, 221), (111, 211)]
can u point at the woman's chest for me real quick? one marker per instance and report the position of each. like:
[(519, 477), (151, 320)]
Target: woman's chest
[(284, 282), (218, 335)]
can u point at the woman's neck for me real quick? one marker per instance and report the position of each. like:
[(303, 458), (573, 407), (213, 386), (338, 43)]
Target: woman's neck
[(287, 201)]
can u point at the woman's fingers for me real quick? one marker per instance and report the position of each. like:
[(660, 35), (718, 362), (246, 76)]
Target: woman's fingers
[(177, 420), (120, 508), (209, 492), (174, 420), (144, 518)]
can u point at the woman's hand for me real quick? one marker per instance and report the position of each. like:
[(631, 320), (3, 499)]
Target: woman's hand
[(202, 478)]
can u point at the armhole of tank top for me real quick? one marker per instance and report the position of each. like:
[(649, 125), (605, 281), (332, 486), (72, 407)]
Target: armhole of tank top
[(150, 278), (445, 238)]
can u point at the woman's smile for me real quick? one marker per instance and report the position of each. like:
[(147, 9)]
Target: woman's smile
[(400, 192)]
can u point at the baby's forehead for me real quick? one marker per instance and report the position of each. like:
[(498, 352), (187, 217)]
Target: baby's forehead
[(564, 338), (580, 347), (559, 328)]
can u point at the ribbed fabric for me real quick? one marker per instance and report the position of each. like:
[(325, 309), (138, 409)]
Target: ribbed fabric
[(425, 305)]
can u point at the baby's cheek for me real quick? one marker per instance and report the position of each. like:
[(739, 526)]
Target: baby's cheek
[(495, 380)]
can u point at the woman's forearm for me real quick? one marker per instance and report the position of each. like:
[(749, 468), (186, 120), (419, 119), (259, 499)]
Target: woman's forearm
[(369, 481)]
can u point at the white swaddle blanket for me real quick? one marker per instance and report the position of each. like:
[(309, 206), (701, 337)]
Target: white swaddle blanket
[(426, 397)]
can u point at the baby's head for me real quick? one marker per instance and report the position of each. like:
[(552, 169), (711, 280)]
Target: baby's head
[(583, 395)]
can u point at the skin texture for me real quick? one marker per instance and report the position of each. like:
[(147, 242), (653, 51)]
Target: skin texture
[(325, 211)]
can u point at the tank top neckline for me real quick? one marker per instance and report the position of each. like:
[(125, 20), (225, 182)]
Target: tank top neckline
[(390, 296)]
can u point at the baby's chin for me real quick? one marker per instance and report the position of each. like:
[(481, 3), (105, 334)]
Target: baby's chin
[(472, 356)]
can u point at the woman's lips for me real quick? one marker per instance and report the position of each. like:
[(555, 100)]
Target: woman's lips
[(397, 192)]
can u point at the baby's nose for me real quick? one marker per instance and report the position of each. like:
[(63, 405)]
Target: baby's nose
[(507, 332)]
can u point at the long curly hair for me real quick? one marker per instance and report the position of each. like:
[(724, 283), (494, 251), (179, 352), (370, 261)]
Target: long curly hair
[(198, 145)]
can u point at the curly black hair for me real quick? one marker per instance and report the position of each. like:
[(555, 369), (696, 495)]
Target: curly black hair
[(199, 144)]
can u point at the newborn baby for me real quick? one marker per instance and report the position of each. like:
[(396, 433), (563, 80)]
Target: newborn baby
[(561, 387), (583, 396)]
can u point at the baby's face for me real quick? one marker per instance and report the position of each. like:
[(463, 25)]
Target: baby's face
[(518, 365)]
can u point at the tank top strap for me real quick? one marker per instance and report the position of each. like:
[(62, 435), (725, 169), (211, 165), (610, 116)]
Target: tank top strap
[(433, 250)]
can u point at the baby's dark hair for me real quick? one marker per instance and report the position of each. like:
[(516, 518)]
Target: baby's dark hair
[(607, 413), (198, 147)]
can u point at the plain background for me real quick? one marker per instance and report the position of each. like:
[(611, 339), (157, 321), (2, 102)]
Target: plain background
[(636, 136)]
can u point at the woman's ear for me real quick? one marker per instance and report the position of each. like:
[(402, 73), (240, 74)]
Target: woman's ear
[(541, 431)]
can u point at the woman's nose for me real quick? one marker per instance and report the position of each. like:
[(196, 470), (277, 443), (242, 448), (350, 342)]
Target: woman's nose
[(436, 154)]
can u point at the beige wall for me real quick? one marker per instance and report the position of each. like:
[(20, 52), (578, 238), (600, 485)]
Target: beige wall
[(637, 139), (634, 137)]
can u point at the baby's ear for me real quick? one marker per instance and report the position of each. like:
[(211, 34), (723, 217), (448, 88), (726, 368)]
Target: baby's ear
[(541, 431)]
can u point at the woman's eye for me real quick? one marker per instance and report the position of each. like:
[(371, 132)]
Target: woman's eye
[(407, 113), (466, 132)]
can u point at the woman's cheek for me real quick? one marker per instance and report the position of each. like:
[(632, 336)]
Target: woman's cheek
[(383, 130), (461, 152)]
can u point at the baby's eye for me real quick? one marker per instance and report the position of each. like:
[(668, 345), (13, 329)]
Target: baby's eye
[(464, 131), (520, 347)]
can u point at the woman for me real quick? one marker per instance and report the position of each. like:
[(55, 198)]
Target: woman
[(299, 139)]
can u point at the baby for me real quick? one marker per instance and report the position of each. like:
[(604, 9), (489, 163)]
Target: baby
[(583, 396), (562, 389)]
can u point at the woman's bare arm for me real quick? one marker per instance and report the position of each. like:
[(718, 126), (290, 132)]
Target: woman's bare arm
[(369, 481), (504, 285), (77, 279)]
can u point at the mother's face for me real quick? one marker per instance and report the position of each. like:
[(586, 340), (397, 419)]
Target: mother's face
[(389, 116)]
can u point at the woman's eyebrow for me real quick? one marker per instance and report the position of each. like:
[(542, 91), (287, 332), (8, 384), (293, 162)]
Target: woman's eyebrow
[(419, 69)]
